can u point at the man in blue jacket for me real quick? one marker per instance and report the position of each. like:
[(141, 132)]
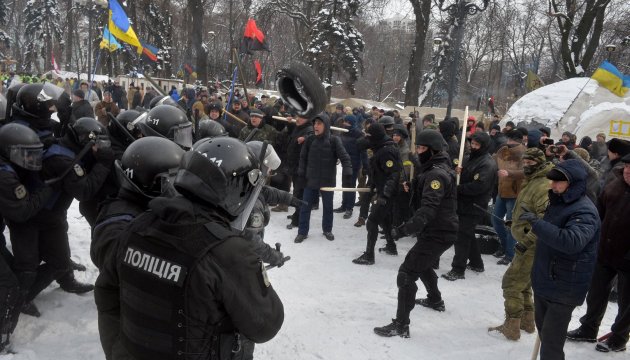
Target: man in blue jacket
[(565, 254)]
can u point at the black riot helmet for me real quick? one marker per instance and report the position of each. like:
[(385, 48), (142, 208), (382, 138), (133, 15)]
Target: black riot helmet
[(87, 129), (431, 139), (163, 100), (146, 164), (221, 172), (11, 99), (388, 123), (124, 125), (21, 146), (169, 122), (209, 128), (37, 101)]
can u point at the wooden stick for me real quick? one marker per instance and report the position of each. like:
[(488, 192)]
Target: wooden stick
[(462, 145), (293, 121), (346, 189), (536, 348), (234, 117)]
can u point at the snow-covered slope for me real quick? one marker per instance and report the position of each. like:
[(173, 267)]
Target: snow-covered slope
[(331, 306)]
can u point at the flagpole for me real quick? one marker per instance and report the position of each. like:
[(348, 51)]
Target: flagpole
[(230, 94), (98, 58), (572, 102), (240, 72)]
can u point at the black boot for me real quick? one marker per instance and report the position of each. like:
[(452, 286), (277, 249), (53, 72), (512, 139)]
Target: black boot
[(76, 266), (30, 309), (75, 287), (365, 259), (389, 249), (339, 210), (435, 305), (393, 329), (580, 334)]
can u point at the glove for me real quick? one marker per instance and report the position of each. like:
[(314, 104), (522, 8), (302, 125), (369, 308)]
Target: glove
[(399, 232), (277, 258), (104, 155), (520, 248), (297, 203), (528, 216), (381, 201)]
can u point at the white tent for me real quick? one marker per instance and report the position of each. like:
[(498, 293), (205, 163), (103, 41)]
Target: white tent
[(577, 105)]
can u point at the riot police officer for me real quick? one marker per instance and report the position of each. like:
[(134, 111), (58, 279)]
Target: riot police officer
[(22, 195), (143, 173), (435, 224), (206, 284), (385, 168), (168, 122)]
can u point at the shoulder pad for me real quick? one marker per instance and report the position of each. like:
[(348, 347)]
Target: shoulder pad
[(219, 231)]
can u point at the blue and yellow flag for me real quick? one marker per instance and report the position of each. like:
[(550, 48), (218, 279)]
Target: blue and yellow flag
[(612, 79), (109, 42), (119, 26)]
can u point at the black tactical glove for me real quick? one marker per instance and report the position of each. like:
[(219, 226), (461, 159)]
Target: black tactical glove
[(297, 203), (520, 248), (528, 216), (277, 258), (381, 201), (399, 232), (104, 155)]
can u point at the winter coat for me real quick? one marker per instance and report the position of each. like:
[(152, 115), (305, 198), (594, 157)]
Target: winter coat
[(349, 141), (593, 185), (385, 168), (81, 108), (534, 198), (101, 110), (510, 158), (265, 133), (599, 150), (435, 199), (318, 159), (567, 241), (453, 151), (476, 182), (497, 142), (22, 193), (614, 210), (294, 148)]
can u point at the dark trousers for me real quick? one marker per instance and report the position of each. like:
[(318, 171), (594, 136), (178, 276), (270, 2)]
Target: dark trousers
[(380, 215), (597, 302), (467, 245), (298, 192), (552, 321), (349, 197), (310, 197), (417, 265), (401, 211), (34, 243)]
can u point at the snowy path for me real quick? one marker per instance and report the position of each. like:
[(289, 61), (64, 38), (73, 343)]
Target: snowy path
[(331, 306)]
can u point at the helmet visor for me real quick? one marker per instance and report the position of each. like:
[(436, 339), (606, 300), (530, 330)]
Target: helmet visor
[(183, 136), (257, 179), (27, 157)]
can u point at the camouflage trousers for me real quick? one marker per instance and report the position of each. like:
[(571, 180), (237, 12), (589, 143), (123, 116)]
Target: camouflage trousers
[(517, 285)]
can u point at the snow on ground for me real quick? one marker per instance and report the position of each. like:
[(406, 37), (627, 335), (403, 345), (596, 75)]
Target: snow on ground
[(331, 306)]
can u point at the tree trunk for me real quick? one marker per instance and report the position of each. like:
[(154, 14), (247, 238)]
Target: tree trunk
[(68, 47), (422, 10), (199, 54)]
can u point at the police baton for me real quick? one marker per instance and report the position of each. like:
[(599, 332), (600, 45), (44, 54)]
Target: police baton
[(284, 259), (507, 223), (75, 161)]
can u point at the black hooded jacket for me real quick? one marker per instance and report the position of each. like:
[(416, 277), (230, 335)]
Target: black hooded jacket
[(293, 148), (478, 178), (318, 158), (385, 164)]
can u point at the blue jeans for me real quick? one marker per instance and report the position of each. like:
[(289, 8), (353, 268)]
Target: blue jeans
[(503, 208), (310, 196)]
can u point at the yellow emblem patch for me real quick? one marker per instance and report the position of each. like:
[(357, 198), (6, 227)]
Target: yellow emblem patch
[(435, 185), (389, 163), (476, 177), (20, 192), (456, 161)]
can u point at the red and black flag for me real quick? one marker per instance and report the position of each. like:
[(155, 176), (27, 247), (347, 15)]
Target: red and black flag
[(253, 39), (258, 72)]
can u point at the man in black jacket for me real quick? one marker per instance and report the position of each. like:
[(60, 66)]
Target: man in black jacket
[(303, 129), (318, 164), (80, 106), (385, 169), (477, 180), (435, 223)]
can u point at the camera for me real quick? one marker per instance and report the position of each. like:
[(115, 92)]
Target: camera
[(553, 149), (548, 141)]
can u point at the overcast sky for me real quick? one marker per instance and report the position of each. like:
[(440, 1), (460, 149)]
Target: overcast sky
[(398, 8)]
